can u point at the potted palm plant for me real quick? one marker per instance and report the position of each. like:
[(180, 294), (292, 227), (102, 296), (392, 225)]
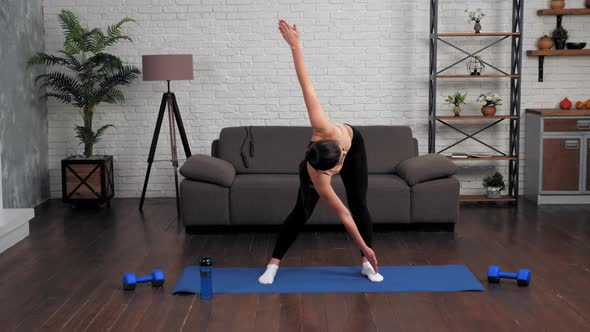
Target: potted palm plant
[(84, 75), (494, 185)]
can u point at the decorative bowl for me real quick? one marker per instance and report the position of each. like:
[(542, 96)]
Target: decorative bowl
[(575, 46)]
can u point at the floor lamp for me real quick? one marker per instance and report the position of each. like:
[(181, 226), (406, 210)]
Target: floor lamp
[(167, 67)]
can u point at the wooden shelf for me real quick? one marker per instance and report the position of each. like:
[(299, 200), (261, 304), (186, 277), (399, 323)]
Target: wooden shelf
[(483, 158), (564, 11), (557, 52), (558, 112), (476, 117), (543, 53), (477, 76), (483, 198), (481, 34)]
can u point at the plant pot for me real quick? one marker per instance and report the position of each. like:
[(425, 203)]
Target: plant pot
[(560, 44), (557, 4), (493, 192), (87, 179), (457, 110), (477, 27), (545, 43), (488, 110)]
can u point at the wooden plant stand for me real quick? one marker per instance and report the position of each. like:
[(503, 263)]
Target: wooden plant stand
[(87, 179)]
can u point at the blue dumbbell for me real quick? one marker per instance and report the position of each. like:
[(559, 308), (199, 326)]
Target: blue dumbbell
[(523, 276), (130, 280)]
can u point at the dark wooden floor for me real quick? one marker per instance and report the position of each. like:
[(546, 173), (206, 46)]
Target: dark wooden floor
[(66, 274)]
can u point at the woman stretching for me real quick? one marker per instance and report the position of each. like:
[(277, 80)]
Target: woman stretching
[(334, 148)]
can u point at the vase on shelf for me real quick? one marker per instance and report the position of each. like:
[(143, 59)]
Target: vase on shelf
[(557, 4), (560, 44), (493, 192), (545, 42), (488, 110), (560, 36), (457, 110), (477, 27)]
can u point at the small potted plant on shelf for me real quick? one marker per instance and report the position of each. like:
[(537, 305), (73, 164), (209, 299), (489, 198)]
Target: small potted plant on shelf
[(560, 36), (475, 16), (457, 99), (488, 102), (494, 185), (86, 76)]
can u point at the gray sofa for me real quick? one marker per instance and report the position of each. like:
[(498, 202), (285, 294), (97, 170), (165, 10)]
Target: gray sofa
[(251, 179)]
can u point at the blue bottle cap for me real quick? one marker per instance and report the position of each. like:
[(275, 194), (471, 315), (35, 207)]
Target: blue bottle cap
[(206, 261)]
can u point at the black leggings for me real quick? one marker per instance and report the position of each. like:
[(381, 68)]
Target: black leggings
[(355, 178)]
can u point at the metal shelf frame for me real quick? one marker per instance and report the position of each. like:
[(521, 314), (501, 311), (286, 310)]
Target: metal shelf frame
[(516, 38)]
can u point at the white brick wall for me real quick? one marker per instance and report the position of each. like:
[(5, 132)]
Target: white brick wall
[(368, 60), (1, 199)]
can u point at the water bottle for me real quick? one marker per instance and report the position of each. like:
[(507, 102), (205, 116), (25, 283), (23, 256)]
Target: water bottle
[(206, 281)]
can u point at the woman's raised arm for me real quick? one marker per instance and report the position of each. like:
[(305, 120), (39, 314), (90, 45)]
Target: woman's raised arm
[(317, 117)]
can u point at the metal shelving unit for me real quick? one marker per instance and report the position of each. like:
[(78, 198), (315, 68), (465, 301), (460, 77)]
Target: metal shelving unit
[(515, 87)]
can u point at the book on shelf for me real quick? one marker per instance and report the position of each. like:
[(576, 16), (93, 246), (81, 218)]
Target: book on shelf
[(459, 155), (468, 155), (480, 155)]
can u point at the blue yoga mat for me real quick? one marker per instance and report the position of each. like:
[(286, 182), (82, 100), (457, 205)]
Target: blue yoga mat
[(341, 279)]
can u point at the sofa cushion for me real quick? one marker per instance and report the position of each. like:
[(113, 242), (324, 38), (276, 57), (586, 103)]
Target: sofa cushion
[(259, 199), (279, 149), (268, 198), (426, 167), (386, 147), (436, 201), (274, 149), (204, 204), (208, 169), (388, 198)]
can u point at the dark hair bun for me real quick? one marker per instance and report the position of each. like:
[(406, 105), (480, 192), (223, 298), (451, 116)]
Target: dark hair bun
[(323, 154)]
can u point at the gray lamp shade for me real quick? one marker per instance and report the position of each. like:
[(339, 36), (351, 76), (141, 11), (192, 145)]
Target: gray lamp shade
[(167, 67)]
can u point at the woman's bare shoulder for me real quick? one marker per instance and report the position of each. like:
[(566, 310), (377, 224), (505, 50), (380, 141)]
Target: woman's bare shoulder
[(330, 132)]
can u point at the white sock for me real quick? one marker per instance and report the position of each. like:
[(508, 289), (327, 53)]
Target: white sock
[(269, 275), (370, 273)]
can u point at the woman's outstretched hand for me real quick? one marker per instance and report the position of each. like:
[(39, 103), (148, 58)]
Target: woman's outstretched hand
[(370, 255), (291, 34)]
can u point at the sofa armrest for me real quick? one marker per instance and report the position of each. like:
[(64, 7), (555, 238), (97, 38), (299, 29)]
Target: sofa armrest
[(209, 169), (426, 167)]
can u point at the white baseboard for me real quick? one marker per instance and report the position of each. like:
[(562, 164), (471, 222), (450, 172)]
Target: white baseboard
[(563, 199), (14, 226)]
